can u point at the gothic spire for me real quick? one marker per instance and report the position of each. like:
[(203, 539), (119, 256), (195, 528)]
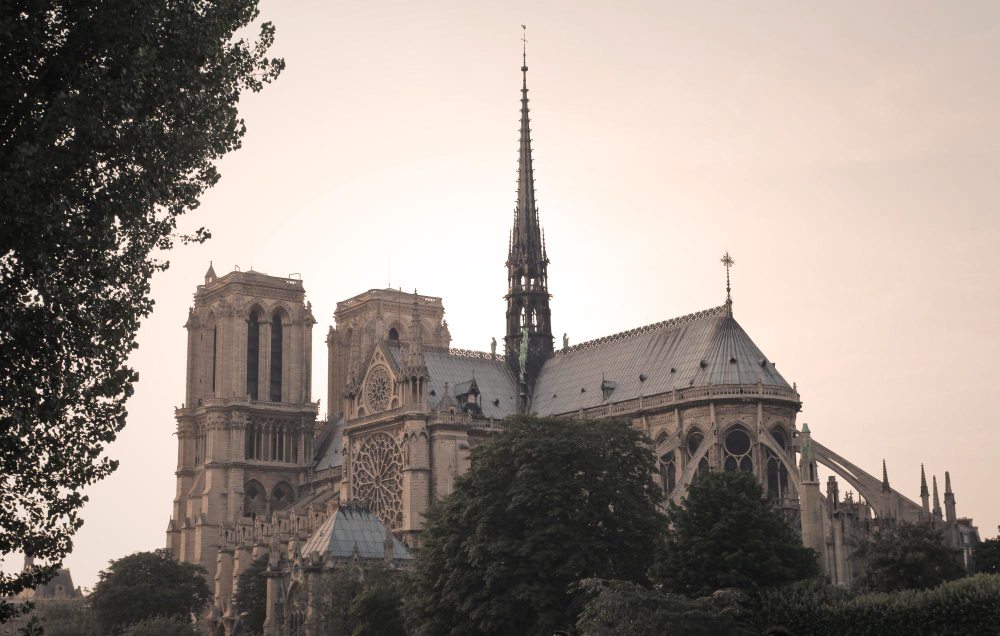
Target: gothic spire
[(924, 493), (937, 500), (885, 478), (529, 332), (526, 243)]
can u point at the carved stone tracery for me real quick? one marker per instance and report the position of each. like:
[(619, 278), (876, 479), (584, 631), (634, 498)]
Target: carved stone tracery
[(377, 479)]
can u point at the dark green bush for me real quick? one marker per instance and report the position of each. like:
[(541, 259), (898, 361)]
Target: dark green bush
[(965, 606)]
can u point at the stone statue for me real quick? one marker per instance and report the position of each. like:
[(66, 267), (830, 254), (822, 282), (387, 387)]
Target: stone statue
[(565, 341), (523, 354), (493, 347)]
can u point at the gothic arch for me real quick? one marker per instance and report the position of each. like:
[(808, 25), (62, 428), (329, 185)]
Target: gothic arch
[(279, 320), (254, 499), (282, 495), (255, 317)]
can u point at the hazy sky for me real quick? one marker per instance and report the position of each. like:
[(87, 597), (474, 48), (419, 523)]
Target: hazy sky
[(846, 154)]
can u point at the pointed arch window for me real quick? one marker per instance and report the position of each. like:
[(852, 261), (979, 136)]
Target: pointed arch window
[(777, 474), (215, 353), (277, 350), (736, 449), (668, 473), (253, 354)]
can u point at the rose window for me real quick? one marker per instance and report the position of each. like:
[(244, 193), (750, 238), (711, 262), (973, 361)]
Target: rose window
[(378, 390), (378, 480)]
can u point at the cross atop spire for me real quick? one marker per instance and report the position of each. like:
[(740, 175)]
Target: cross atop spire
[(728, 262)]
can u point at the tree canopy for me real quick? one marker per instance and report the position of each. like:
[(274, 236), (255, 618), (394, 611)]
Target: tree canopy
[(250, 599), (147, 585), (112, 116), (987, 556), (725, 534), (906, 556), (543, 505)]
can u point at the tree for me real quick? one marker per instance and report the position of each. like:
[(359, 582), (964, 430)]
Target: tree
[(987, 556), (724, 534), (66, 617), (907, 556), (627, 609), (161, 626), (146, 585), (112, 115), (377, 611), (332, 598), (543, 505), (251, 597)]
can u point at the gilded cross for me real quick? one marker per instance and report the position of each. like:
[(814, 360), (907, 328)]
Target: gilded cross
[(728, 261)]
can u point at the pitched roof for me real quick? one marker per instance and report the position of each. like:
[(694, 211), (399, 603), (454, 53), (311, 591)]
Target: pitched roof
[(457, 367), (701, 349), (329, 444), (353, 527)]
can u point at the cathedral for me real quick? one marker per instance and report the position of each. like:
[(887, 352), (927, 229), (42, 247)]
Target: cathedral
[(259, 474)]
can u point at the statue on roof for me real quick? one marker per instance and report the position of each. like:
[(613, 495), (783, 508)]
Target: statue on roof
[(493, 347)]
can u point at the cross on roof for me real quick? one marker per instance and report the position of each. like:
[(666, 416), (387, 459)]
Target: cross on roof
[(728, 262)]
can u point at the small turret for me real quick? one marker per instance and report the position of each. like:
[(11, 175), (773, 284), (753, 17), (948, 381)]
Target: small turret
[(949, 500), (210, 274), (924, 494), (937, 501)]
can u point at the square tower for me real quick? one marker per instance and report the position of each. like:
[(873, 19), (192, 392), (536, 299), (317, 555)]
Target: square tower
[(246, 429)]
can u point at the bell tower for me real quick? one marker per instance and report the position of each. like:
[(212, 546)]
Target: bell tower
[(528, 314), (246, 427)]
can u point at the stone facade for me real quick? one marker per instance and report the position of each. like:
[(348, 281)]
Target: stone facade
[(257, 474)]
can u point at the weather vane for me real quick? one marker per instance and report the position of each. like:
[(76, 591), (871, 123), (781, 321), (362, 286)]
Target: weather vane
[(728, 261)]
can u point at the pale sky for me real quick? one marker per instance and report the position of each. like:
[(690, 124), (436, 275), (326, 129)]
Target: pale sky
[(846, 154)]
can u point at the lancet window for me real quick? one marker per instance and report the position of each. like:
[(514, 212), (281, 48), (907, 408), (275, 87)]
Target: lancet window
[(253, 353), (277, 347), (668, 473), (777, 474)]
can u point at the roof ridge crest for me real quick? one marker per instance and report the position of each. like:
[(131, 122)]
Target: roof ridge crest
[(656, 326)]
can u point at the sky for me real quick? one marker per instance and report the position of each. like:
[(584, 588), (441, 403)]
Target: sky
[(845, 154)]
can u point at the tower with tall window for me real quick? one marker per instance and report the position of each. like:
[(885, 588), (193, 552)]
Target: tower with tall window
[(246, 428)]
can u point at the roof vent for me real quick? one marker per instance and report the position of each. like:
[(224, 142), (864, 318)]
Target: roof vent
[(703, 364), (763, 362), (673, 370), (496, 402), (642, 377), (583, 390), (732, 360), (433, 392)]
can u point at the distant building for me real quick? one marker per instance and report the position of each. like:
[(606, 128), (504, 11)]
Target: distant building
[(257, 473)]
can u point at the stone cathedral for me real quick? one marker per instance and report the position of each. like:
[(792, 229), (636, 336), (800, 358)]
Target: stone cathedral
[(259, 474)]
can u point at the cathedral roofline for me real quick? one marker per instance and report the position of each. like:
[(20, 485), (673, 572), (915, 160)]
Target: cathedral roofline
[(721, 310), (386, 294)]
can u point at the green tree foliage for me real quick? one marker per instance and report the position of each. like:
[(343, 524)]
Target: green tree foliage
[(803, 607), (377, 611), (332, 597), (628, 609), (724, 534), (907, 556), (987, 556), (545, 504), (251, 597), (161, 626), (112, 116), (970, 605), (147, 585), (66, 617)]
